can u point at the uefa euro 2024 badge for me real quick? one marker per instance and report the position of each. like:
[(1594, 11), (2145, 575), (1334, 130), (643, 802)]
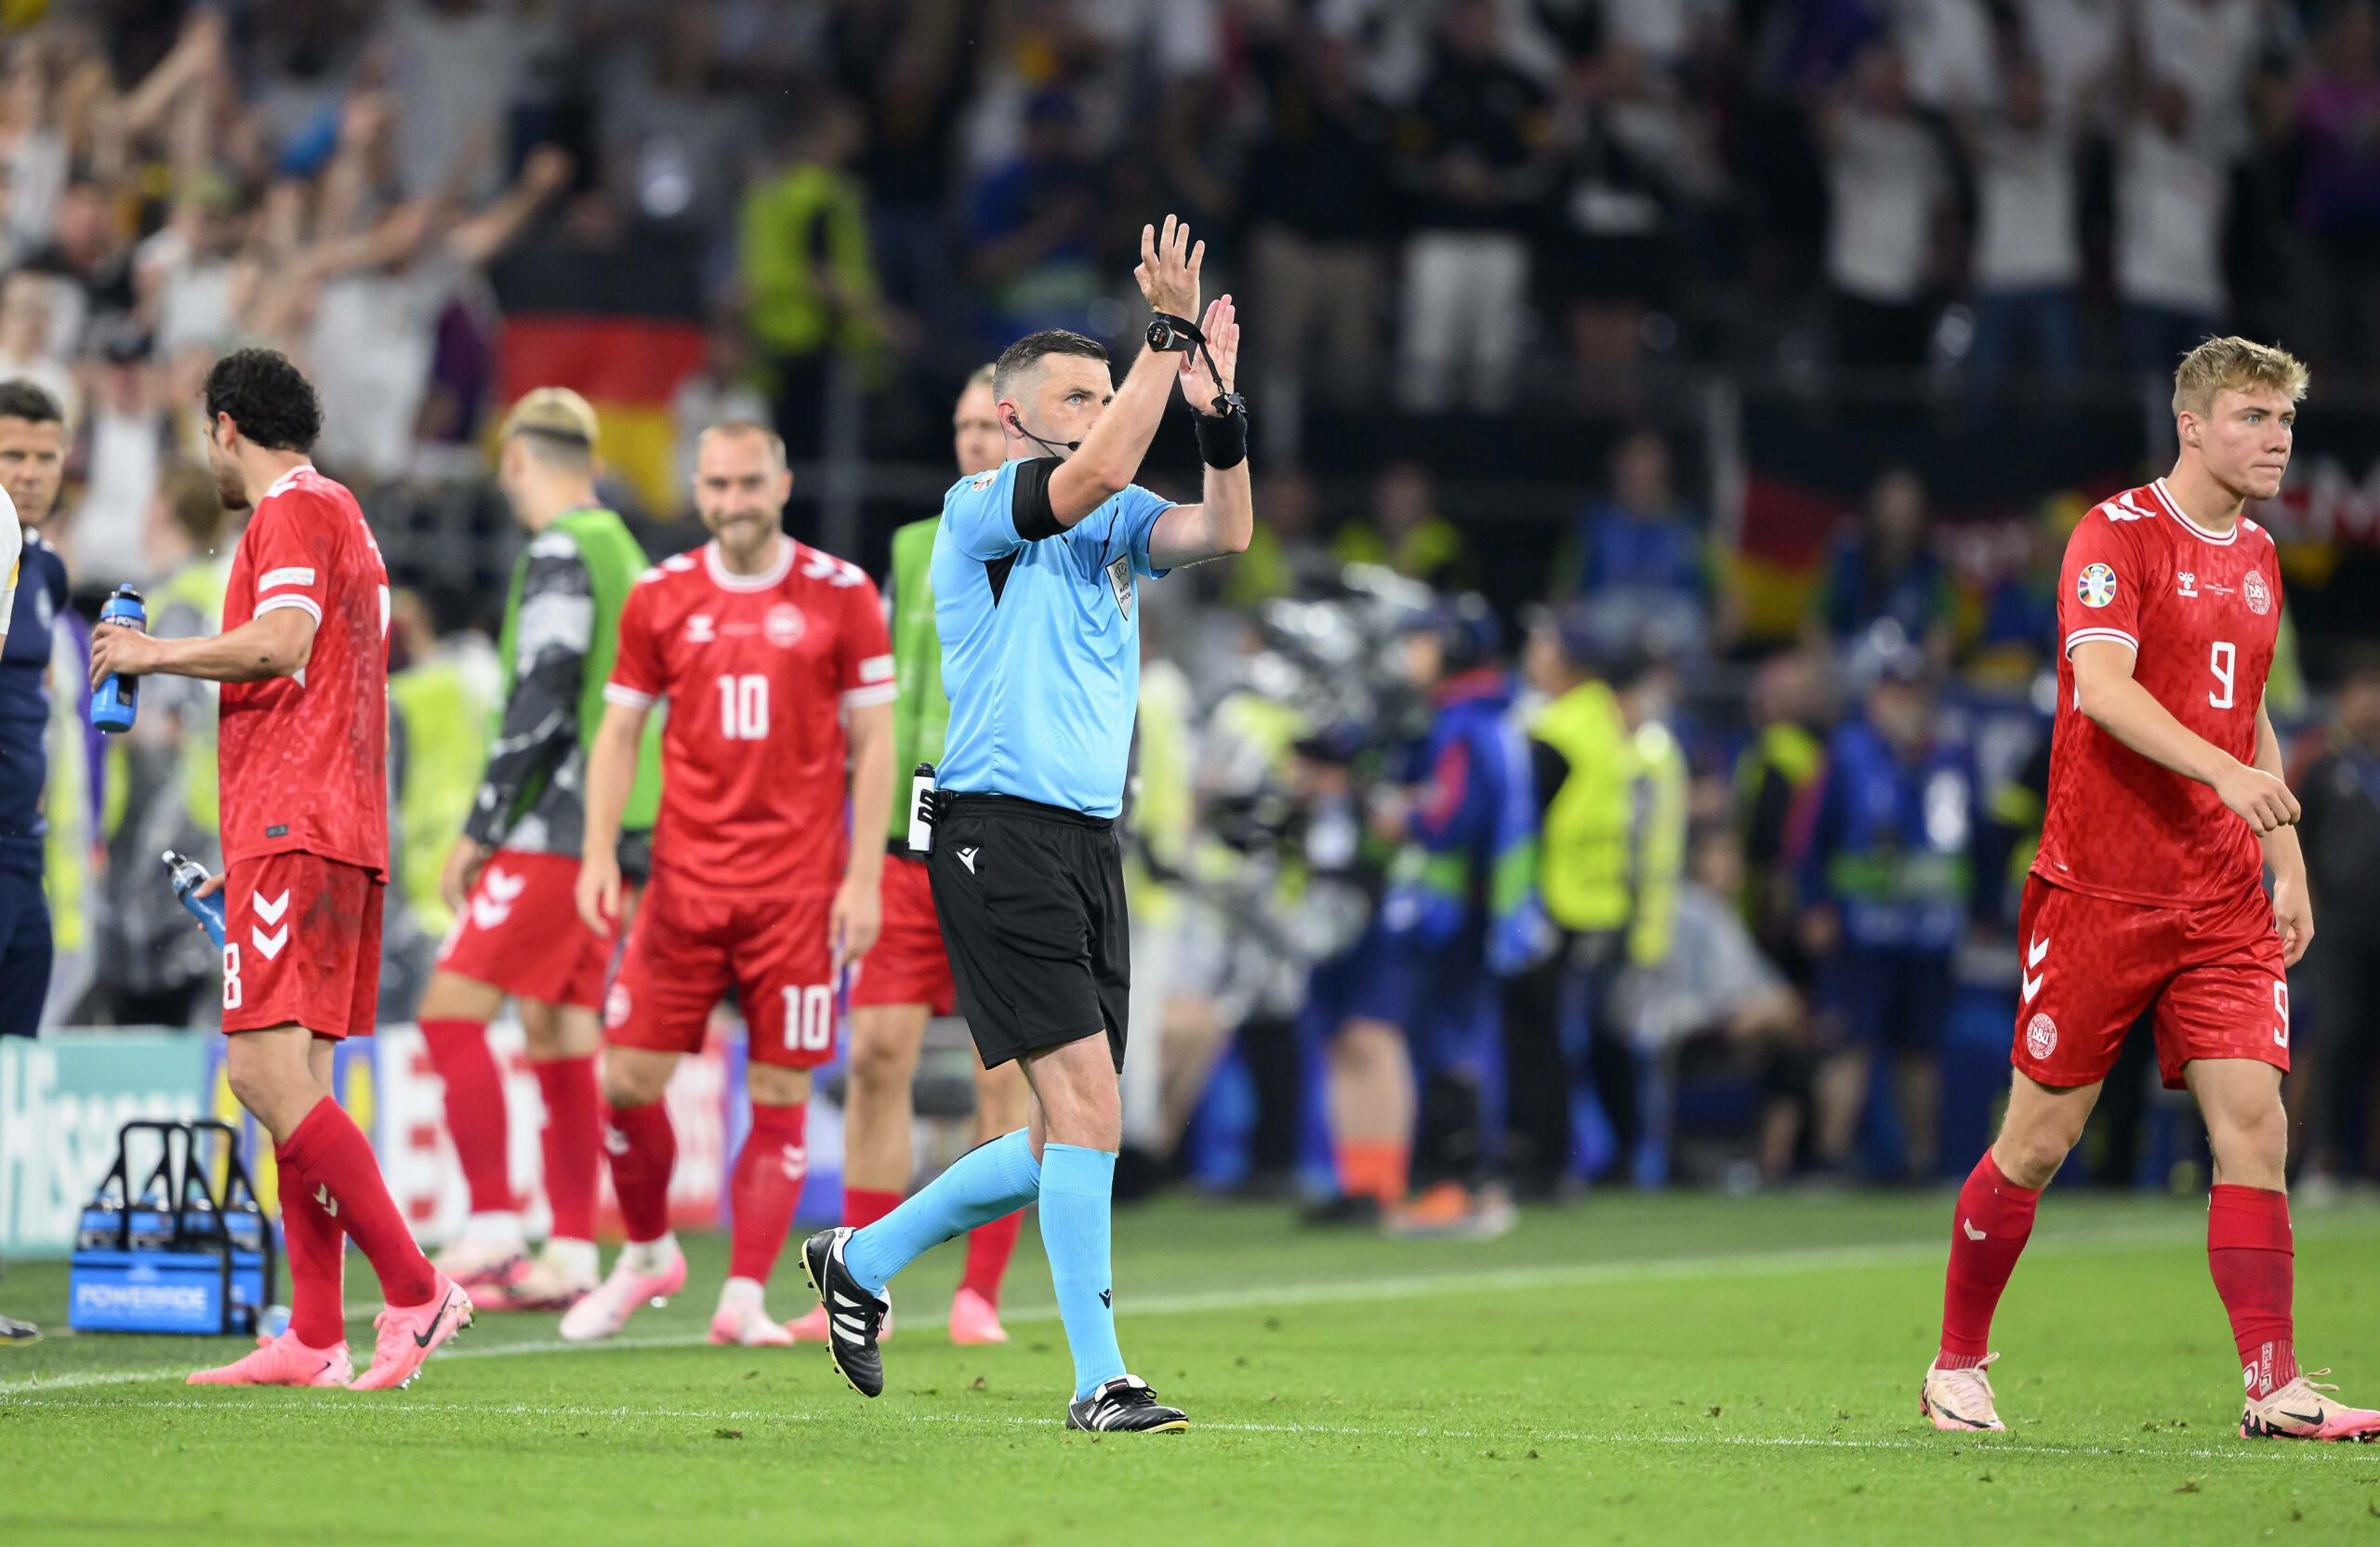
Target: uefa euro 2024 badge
[(2096, 586)]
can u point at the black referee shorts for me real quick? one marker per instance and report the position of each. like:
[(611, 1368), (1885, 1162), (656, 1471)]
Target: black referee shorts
[(1031, 902)]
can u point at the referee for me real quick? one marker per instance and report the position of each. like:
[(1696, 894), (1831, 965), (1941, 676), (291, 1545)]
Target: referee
[(1037, 574)]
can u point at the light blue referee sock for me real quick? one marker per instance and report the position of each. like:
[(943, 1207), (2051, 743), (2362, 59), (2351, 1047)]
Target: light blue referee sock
[(989, 1182), (1077, 1185)]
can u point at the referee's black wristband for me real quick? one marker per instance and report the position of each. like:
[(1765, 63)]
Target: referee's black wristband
[(1222, 438)]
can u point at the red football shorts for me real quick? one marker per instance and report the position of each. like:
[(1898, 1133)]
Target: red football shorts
[(2090, 966), (690, 944), (301, 944), (520, 932), (907, 965)]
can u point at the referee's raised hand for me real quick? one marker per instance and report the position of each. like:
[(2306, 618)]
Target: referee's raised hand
[(1221, 326), (1168, 271)]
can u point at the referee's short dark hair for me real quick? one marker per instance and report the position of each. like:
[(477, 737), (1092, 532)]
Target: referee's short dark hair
[(1021, 356), (21, 399), (268, 398)]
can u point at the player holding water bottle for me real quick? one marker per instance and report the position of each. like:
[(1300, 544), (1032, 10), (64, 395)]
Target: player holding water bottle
[(302, 751)]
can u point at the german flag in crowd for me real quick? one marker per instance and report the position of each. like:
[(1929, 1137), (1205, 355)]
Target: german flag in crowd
[(623, 330)]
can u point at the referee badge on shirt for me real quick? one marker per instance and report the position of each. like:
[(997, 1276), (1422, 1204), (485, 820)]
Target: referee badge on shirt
[(1119, 580)]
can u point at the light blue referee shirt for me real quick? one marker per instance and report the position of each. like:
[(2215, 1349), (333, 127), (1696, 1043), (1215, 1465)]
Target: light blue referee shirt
[(1040, 643)]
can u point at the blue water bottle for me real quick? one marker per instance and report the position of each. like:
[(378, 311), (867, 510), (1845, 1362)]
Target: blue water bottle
[(188, 877), (116, 700)]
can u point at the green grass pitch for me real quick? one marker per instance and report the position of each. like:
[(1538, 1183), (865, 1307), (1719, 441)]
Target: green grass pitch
[(1678, 1370)]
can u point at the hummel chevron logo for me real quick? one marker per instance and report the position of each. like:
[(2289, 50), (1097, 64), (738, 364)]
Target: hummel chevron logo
[(1107, 1298), (270, 945), (270, 912), (1972, 1234), (2033, 959), (967, 858), (499, 891), (330, 1203)]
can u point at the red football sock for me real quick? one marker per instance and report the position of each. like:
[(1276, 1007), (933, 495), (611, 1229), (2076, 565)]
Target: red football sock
[(328, 1150), (768, 1184), (864, 1205), (1994, 1218), (2249, 1250), (458, 1050), (644, 1148), (988, 1249), (573, 1135), (316, 1248)]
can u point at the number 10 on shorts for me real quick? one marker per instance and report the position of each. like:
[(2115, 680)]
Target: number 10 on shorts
[(809, 1019)]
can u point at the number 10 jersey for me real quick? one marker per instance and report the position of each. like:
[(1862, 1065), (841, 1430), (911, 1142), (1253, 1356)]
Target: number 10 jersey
[(758, 671), (2199, 611)]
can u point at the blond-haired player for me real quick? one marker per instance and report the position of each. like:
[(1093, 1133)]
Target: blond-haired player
[(2165, 806), (510, 875)]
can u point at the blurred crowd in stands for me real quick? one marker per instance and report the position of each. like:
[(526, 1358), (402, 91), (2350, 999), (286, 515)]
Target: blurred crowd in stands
[(1439, 902)]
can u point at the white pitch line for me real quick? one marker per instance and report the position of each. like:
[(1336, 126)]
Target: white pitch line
[(1979, 1444), (1349, 1291)]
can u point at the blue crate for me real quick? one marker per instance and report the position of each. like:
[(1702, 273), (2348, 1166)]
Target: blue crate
[(172, 1254), (147, 1291)]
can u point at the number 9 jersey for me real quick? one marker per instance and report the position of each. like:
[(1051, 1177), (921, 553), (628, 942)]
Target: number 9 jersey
[(749, 845), (2200, 612)]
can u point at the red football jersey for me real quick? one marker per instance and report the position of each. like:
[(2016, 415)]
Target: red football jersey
[(303, 760), (758, 670), (2201, 612)]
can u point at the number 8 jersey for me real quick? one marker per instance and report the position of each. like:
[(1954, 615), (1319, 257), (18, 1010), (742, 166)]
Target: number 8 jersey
[(757, 671), (2200, 612)]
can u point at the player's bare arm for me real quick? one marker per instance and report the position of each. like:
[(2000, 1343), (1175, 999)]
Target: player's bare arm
[(1224, 521), (2292, 903), (611, 769), (276, 643), (2110, 699), (857, 916), (1113, 431)]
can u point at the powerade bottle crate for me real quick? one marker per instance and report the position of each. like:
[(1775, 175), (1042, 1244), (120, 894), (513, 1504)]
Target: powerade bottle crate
[(176, 1254), (148, 1291)]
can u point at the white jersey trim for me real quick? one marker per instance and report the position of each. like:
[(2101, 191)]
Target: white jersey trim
[(2116, 634), (2221, 539), (292, 577), (860, 698), (287, 481), (303, 603), (726, 581), (627, 697)]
